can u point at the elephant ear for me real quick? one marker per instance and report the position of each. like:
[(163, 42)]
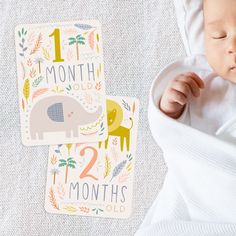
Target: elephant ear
[(55, 112)]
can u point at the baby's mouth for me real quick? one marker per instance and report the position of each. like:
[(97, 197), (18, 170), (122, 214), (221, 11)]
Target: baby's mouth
[(233, 68)]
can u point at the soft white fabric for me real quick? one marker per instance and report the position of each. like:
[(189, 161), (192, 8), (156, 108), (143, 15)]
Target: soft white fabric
[(216, 105), (198, 196), (137, 42), (189, 15)]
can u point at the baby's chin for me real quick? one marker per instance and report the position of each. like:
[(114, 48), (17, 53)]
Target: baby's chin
[(230, 75)]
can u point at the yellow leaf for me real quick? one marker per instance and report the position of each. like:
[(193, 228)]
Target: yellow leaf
[(26, 90), (46, 54), (70, 208), (68, 145), (107, 167)]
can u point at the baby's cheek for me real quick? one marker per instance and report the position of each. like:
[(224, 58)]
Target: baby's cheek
[(214, 52)]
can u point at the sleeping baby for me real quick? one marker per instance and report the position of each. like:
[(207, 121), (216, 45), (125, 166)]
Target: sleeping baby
[(198, 194), (210, 94)]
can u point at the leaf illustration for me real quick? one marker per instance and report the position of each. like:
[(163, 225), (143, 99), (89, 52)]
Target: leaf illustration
[(126, 105), (107, 167), (83, 26), (52, 199), (32, 73), (31, 38), (98, 86), (97, 37), (118, 169), (68, 146), (37, 44), (91, 40), (123, 177), (39, 92), (46, 54), (133, 108), (26, 90), (70, 208), (37, 81), (53, 160), (23, 104), (61, 191)]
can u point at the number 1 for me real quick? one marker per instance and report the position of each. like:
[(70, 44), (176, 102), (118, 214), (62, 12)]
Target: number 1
[(56, 34)]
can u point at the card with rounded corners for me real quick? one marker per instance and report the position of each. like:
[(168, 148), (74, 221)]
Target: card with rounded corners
[(61, 87), (96, 179)]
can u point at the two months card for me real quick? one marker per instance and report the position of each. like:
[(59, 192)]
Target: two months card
[(96, 179)]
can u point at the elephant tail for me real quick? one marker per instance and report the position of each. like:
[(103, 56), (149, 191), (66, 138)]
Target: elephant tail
[(132, 124)]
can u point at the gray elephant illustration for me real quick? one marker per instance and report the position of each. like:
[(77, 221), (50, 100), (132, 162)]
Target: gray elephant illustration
[(60, 113)]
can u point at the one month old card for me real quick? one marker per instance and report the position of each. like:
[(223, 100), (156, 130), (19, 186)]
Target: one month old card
[(61, 84), (96, 179)]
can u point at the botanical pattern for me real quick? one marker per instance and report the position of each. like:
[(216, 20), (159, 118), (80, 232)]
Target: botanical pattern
[(61, 59), (77, 173)]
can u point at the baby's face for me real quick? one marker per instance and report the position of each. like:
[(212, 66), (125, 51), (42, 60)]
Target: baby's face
[(220, 37)]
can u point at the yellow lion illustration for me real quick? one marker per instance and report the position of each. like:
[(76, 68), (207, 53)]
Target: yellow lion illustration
[(114, 120)]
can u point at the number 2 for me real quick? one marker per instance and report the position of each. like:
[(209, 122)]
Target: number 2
[(90, 164)]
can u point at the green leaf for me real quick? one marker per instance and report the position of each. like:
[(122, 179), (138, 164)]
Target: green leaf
[(72, 166), (70, 43), (19, 33), (25, 32), (72, 40), (62, 160), (22, 31), (81, 42), (72, 162), (62, 164)]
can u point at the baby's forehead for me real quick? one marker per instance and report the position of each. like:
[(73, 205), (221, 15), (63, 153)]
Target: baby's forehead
[(218, 11)]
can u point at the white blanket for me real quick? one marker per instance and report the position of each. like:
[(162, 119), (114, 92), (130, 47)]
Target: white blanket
[(199, 192)]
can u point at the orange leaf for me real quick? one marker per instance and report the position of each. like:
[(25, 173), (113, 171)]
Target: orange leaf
[(23, 104), (91, 40), (133, 107), (37, 44), (39, 92)]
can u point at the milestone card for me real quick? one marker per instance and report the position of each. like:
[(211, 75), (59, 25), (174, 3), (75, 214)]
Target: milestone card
[(96, 179), (60, 74)]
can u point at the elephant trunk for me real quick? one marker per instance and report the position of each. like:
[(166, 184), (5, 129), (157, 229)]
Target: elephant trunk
[(92, 117)]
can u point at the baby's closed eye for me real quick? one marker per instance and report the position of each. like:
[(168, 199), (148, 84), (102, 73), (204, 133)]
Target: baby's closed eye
[(219, 35)]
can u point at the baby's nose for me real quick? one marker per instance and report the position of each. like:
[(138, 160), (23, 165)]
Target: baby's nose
[(232, 46)]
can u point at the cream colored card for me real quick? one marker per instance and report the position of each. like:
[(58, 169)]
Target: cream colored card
[(61, 84), (96, 179)]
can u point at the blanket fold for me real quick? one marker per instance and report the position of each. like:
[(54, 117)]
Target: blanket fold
[(199, 193)]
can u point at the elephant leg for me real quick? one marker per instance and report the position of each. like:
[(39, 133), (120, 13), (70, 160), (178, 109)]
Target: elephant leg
[(106, 142), (75, 132), (33, 134), (122, 142), (40, 135), (68, 133)]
